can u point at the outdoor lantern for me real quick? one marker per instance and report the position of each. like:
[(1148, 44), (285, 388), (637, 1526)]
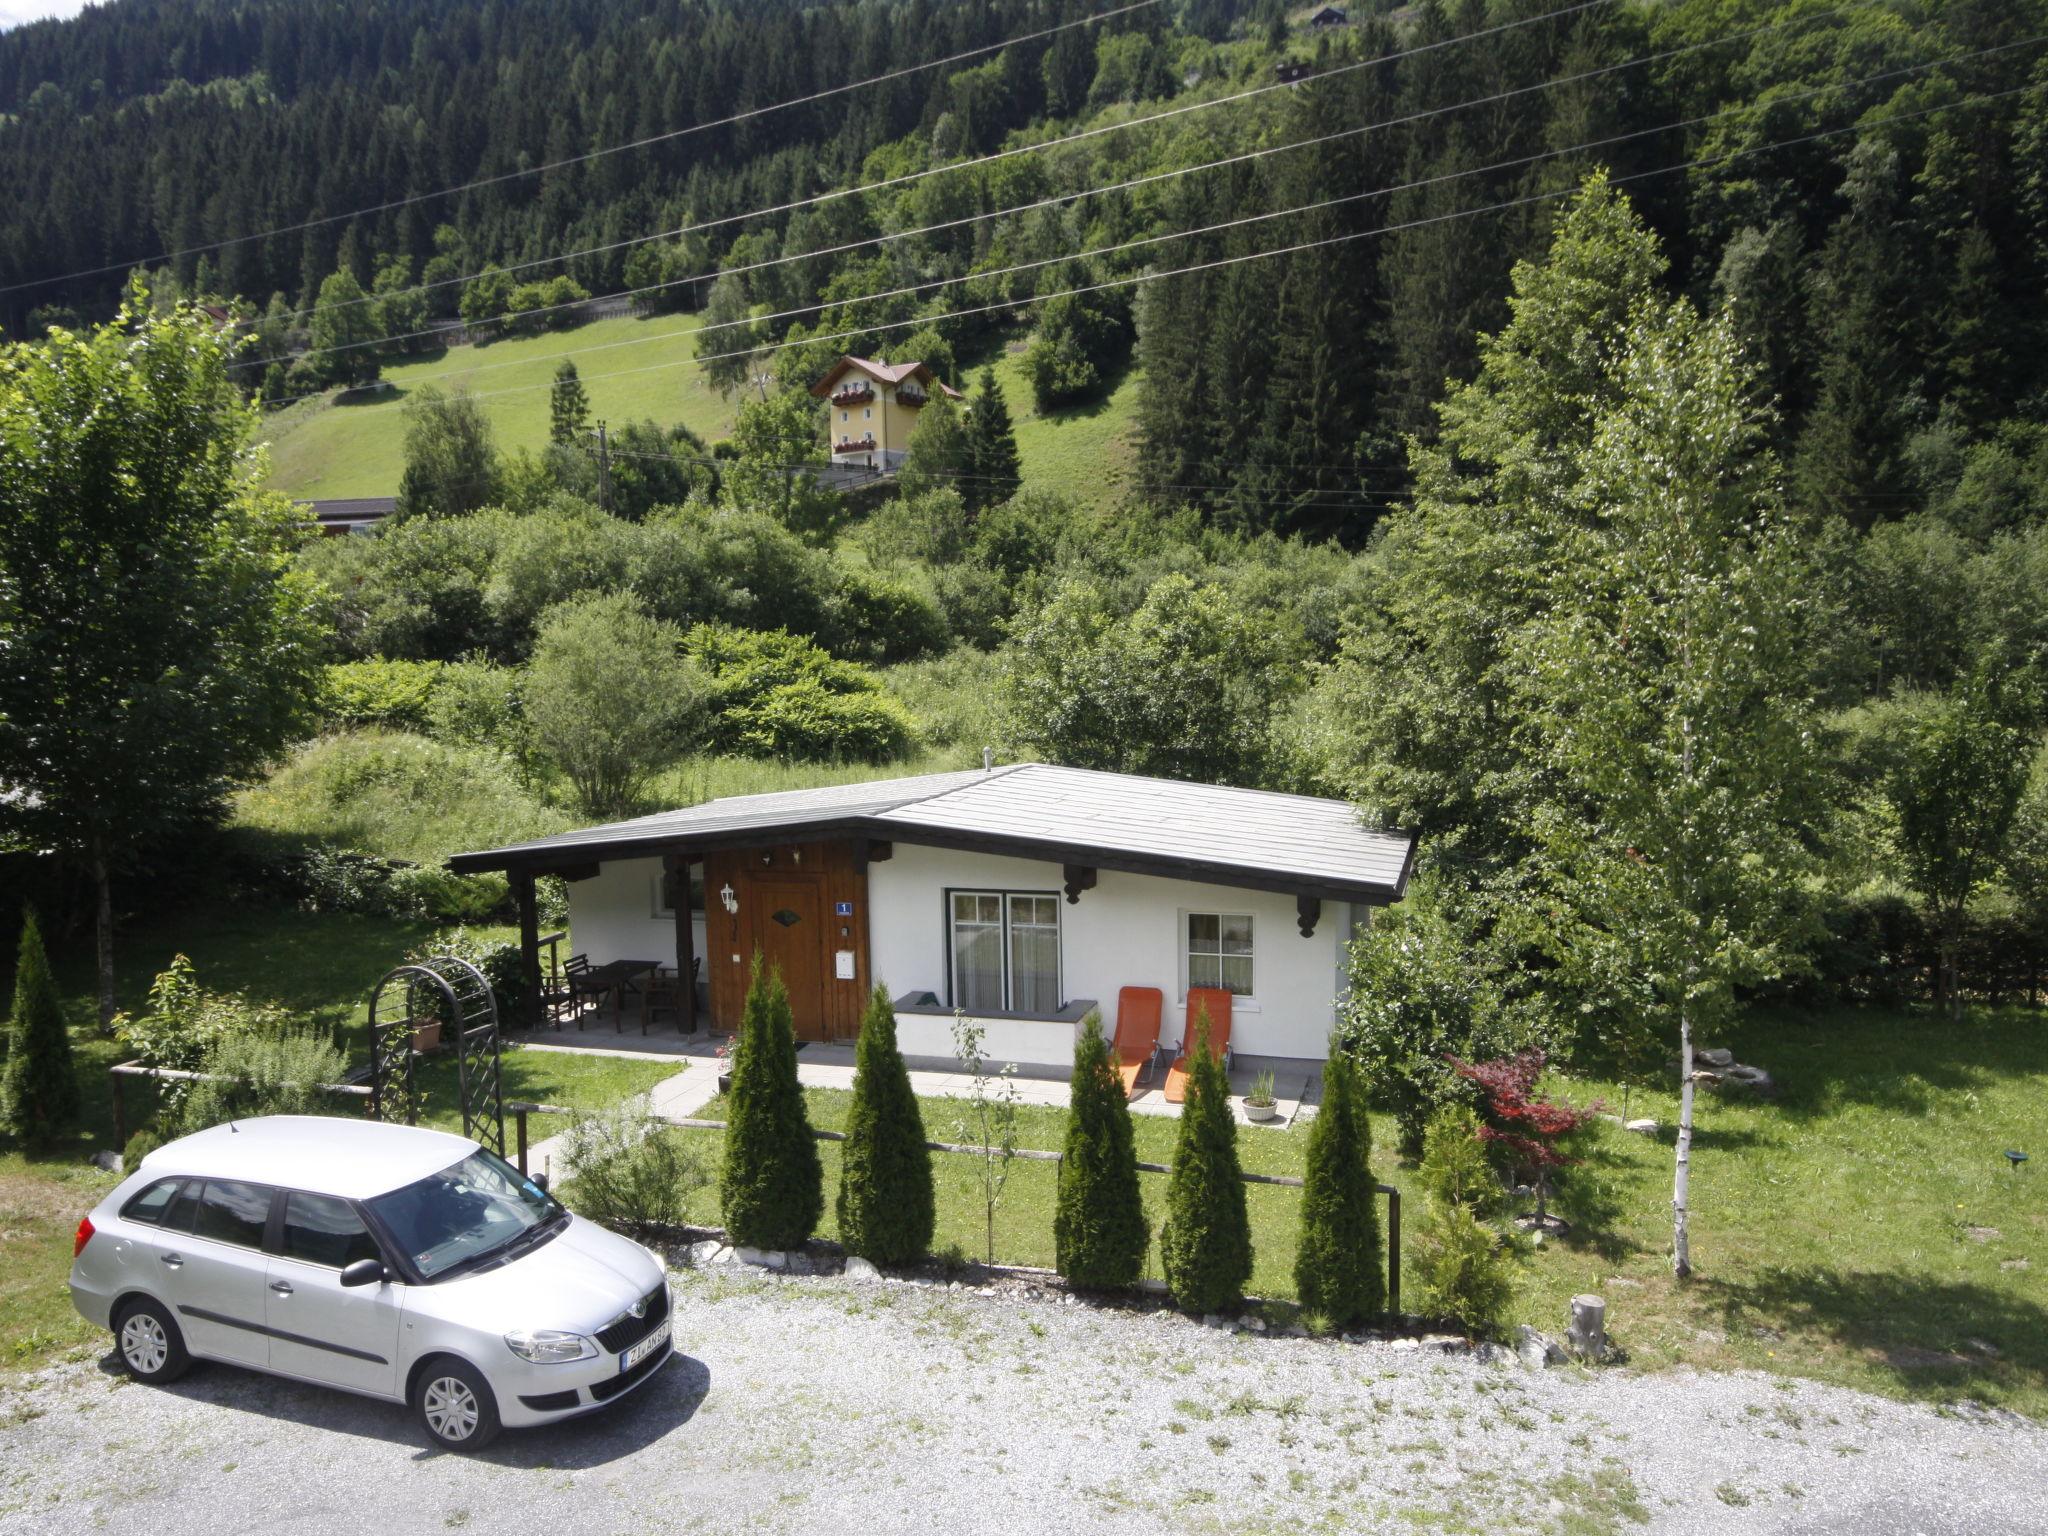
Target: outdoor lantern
[(732, 902)]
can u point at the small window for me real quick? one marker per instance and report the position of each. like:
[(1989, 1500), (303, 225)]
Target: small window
[(663, 889), (1006, 951), (150, 1204), (868, 414), (846, 415), (319, 1229), (1220, 951), (233, 1213)]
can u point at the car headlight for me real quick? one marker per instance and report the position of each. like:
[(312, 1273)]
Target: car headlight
[(548, 1346)]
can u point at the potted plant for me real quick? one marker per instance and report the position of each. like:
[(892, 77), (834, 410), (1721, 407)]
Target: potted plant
[(426, 1035), (725, 1049), (1260, 1104)]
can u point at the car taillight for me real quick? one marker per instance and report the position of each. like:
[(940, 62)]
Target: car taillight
[(84, 1236)]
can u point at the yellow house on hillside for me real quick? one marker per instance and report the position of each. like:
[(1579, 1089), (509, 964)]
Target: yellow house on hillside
[(873, 408)]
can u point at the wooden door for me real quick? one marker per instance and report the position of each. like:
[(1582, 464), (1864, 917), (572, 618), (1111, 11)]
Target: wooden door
[(790, 931)]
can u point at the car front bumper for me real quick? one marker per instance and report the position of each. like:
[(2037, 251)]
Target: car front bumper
[(536, 1394)]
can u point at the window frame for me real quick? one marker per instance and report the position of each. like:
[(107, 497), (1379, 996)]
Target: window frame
[(1004, 930), (659, 902), (1188, 952)]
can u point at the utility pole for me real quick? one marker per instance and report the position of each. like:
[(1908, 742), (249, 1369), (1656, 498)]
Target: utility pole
[(604, 468)]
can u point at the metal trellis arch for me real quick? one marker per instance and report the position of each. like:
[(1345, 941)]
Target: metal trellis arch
[(451, 998)]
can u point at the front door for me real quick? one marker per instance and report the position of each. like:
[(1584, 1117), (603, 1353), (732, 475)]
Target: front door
[(790, 931)]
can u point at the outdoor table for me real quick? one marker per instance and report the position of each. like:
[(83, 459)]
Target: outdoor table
[(615, 977)]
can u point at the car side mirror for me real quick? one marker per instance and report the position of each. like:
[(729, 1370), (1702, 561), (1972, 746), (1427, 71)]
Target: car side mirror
[(364, 1272)]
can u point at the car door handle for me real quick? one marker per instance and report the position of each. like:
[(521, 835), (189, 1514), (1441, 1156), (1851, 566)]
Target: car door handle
[(282, 1287), (173, 1260)]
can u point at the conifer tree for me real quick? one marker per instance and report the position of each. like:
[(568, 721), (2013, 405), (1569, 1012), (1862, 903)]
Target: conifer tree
[(994, 475), (1464, 1268), (886, 1207), (1205, 1245), (39, 1098), (773, 1188), (568, 405), (1337, 1267), (1099, 1233)]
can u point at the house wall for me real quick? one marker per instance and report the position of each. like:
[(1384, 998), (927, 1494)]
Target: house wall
[(1128, 931), (612, 915)]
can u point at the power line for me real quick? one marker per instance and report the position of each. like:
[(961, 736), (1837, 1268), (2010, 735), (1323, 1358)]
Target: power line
[(909, 177), (1069, 197), (595, 154)]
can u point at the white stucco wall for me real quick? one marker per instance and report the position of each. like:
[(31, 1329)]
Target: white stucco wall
[(1128, 931), (612, 915)]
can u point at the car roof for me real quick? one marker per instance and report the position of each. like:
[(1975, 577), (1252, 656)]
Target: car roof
[(356, 1159)]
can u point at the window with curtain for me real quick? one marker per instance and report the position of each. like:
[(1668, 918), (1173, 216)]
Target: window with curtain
[(1220, 951), (1006, 951)]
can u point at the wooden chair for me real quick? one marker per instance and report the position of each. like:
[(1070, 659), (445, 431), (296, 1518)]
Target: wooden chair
[(660, 993), (574, 970), (1136, 1048), (1214, 1003)]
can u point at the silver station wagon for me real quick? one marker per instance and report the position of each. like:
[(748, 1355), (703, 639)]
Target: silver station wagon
[(400, 1263)]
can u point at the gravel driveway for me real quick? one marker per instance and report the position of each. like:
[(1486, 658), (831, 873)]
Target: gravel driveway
[(881, 1407)]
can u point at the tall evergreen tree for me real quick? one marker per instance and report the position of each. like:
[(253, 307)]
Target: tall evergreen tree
[(39, 1097), (1337, 1268), (993, 472), (1099, 1232), (886, 1207), (772, 1191), (1205, 1244), (568, 406)]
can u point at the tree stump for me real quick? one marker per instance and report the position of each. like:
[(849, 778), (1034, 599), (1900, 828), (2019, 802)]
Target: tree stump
[(1588, 1332)]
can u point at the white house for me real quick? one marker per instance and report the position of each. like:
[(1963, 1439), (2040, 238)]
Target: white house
[(1022, 895)]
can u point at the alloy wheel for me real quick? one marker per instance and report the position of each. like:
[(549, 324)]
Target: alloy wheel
[(451, 1408)]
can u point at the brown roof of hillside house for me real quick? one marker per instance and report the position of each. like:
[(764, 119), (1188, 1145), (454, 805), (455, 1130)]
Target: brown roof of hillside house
[(882, 373)]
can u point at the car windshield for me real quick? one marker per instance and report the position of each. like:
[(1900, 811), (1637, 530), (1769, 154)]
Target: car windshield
[(474, 1209)]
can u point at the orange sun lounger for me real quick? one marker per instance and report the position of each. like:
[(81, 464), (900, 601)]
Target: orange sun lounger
[(1215, 1002), (1138, 1011)]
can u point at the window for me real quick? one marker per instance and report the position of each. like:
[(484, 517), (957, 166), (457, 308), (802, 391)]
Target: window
[(868, 414), (150, 1204), (846, 415), (663, 892), (1006, 951), (1220, 951), (233, 1213), (319, 1229)]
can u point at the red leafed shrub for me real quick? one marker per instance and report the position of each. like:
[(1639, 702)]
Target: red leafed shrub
[(1526, 1126)]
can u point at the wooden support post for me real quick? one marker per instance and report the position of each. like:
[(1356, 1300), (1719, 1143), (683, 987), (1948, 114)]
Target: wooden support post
[(1393, 1249), (529, 948), (120, 1117), (677, 868)]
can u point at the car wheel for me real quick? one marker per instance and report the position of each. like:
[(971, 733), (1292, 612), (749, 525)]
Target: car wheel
[(456, 1406), (149, 1343)]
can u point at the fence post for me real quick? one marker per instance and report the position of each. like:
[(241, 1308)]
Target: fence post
[(1393, 1250), (519, 1117), (120, 1114)]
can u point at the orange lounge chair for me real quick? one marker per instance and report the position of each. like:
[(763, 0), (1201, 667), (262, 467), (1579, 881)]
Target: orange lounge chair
[(1215, 1002), (1138, 1011)]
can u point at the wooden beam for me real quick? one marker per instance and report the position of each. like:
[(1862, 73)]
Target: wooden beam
[(1308, 911), (571, 872), (872, 850), (529, 948), (677, 868), (1079, 878)]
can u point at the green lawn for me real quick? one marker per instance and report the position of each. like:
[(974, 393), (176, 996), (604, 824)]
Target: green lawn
[(1087, 452), (1863, 1228), (634, 370)]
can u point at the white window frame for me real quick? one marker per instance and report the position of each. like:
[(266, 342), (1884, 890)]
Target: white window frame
[(1003, 927), (1188, 952), (658, 906)]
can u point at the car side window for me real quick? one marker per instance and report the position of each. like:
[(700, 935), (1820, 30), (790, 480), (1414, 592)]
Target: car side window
[(150, 1204), (319, 1229), (179, 1217), (235, 1213)]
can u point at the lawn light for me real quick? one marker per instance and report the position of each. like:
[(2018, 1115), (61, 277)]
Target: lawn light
[(2015, 1158)]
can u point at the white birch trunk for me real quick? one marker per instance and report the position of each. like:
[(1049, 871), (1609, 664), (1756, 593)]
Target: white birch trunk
[(1681, 1243)]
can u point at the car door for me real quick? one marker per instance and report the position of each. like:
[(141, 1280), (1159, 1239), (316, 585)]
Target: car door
[(320, 1329), (217, 1268)]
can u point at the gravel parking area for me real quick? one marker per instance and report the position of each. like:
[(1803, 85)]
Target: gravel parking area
[(886, 1407)]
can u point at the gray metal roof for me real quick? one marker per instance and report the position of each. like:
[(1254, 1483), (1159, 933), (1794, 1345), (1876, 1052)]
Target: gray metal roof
[(1208, 832)]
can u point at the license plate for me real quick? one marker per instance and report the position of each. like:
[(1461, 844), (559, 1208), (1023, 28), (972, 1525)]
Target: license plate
[(647, 1346)]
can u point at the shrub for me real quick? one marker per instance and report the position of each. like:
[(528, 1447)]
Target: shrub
[(777, 695), (476, 704), (1099, 1232), (1205, 1244), (1337, 1269), (1464, 1266), (629, 1175), (398, 694), (39, 1098), (1527, 1128), (887, 1207), (436, 895), (882, 620), (273, 1072), (498, 959), (773, 1188), (183, 1028)]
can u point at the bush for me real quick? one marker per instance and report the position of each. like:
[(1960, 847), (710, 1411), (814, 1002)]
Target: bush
[(777, 695), (475, 704), (1099, 1232), (39, 1098), (626, 1174), (878, 619), (435, 895), (398, 694), (184, 1026), (773, 1188), (1464, 1266), (1205, 1244), (887, 1208), (268, 1073), (1338, 1267), (497, 959)]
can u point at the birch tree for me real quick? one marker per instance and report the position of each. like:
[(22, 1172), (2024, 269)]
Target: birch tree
[(1673, 699)]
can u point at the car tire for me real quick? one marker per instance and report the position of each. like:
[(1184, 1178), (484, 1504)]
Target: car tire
[(147, 1339), (455, 1405)]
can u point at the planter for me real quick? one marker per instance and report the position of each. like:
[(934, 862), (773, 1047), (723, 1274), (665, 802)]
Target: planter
[(725, 1082), (426, 1037), (1261, 1113)]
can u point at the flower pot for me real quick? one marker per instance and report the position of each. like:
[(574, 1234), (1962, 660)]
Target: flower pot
[(1261, 1112), (426, 1037), (725, 1082)]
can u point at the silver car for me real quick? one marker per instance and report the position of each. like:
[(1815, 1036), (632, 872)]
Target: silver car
[(401, 1263)]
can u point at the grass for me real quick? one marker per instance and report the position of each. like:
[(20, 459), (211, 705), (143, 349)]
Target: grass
[(539, 1077), (324, 448), (1086, 452)]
